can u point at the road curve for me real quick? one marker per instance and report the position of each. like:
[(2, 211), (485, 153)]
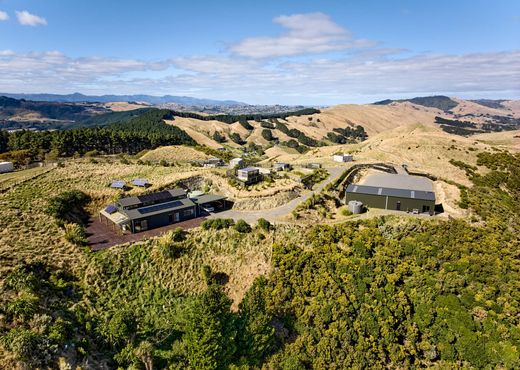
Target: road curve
[(273, 214)]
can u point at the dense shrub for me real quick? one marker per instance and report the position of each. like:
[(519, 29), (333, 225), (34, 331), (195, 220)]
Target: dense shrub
[(67, 204), (264, 224), (218, 223), (242, 227)]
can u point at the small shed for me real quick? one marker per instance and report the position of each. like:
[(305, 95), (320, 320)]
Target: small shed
[(282, 166), (236, 162), (342, 158), (6, 167)]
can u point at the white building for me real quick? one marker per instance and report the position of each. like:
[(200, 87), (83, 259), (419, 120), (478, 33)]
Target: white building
[(236, 162), (342, 157), (6, 167)]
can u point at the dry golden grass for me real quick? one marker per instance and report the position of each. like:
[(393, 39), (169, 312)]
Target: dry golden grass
[(174, 154)]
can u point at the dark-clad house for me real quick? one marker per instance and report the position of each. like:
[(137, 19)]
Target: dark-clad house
[(149, 211)]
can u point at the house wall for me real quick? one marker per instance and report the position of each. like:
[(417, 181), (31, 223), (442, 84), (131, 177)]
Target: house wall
[(164, 219), (384, 202)]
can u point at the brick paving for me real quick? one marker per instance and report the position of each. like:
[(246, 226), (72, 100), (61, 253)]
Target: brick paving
[(101, 236)]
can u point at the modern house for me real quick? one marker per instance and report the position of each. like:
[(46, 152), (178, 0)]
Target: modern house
[(249, 175), (282, 166), (342, 157), (394, 192), (6, 167), (236, 162), (149, 211)]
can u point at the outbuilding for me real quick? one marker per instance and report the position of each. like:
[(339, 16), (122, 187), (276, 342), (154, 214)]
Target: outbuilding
[(394, 192), (282, 166), (6, 167), (236, 162), (393, 195), (342, 157)]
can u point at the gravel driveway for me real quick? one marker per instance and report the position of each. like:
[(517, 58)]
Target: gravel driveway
[(273, 214)]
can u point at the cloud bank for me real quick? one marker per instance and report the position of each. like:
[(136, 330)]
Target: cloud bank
[(262, 70), (27, 19)]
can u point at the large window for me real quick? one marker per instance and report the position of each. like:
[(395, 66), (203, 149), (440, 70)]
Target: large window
[(188, 212)]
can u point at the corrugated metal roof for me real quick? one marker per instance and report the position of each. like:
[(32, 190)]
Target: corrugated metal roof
[(160, 208), (208, 198), (398, 181), (160, 196), (391, 192)]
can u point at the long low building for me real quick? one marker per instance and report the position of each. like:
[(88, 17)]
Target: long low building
[(150, 211), (394, 192)]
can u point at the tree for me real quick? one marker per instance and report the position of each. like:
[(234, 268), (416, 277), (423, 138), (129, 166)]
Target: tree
[(210, 332), (256, 335)]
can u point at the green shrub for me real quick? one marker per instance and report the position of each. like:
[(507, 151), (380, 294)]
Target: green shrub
[(218, 223), (346, 212), (62, 206), (264, 224), (75, 234), (242, 227)]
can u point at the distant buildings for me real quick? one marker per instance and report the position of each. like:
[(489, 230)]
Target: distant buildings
[(342, 157), (236, 162), (282, 166), (249, 175), (213, 162)]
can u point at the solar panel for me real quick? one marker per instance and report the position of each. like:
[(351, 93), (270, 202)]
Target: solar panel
[(140, 182), (118, 184), (155, 197), (111, 208), (159, 207)]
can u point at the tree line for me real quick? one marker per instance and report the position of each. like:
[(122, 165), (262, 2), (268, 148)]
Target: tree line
[(146, 131)]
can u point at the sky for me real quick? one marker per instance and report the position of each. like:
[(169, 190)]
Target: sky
[(310, 52)]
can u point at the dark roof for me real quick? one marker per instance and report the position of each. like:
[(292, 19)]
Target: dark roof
[(208, 198), (160, 208), (158, 197), (249, 169), (400, 193)]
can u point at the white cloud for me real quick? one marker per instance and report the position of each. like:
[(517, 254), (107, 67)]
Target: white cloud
[(3, 16), (309, 33), (27, 19)]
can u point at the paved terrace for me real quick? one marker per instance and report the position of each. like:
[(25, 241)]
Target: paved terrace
[(101, 236)]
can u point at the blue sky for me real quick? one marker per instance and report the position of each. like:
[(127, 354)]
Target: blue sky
[(287, 52)]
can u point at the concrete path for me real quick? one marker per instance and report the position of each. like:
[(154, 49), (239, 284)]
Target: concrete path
[(273, 214)]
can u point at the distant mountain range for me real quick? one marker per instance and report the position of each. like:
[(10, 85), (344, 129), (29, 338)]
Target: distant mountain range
[(79, 98)]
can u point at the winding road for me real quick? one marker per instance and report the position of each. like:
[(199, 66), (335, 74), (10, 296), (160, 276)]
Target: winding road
[(273, 214)]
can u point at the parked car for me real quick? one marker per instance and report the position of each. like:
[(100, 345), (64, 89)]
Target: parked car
[(209, 209)]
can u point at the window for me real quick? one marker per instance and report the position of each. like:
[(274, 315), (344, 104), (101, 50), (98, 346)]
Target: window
[(188, 212)]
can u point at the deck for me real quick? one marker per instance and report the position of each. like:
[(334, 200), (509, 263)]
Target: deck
[(101, 236)]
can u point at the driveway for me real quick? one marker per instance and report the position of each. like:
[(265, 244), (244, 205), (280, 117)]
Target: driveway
[(273, 214)]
